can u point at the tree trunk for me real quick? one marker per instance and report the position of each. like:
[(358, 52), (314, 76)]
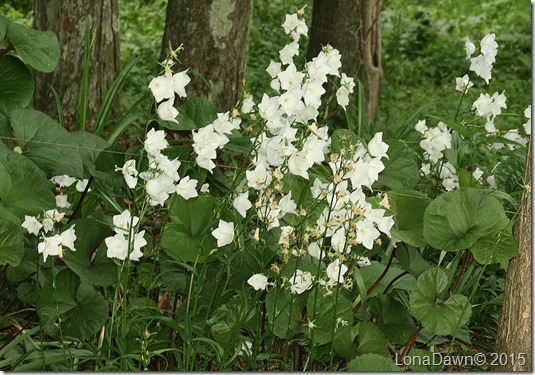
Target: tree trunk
[(369, 49), (354, 28), (215, 35), (514, 330), (67, 18)]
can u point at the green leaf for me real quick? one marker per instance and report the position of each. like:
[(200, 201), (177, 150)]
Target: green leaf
[(92, 311), (188, 236), (343, 342), (401, 170), (452, 124), (3, 26), (46, 143), (39, 49), (437, 316), (372, 362), (23, 191), (284, 311), (498, 247), (194, 114), (371, 340), (90, 148), (393, 318), (90, 261), (459, 219), (79, 318), (230, 319), (11, 243), (409, 206), (17, 86), (329, 314)]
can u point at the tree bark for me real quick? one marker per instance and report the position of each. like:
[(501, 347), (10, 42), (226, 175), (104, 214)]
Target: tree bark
[(369, 48), (514, 330), (354, 28), (215, 36), (67, 18)]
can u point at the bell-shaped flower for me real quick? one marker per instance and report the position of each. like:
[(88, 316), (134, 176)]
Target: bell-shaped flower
[(224, 233)]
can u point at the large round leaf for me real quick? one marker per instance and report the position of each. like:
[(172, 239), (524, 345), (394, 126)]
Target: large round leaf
[(457, 219), (17, 86), (39, 49), (437, 316), (81, 316), (23, 191), (188, 237), (46, 143), (89, 261)]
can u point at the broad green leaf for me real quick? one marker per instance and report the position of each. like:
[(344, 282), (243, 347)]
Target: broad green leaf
[(230, 318), (393, 318), (194, 214), (5, 131), (452, 124), (498, 247), (409, 206), (46, 143), (92, 310), (9, 155), (39, 49), (3, 26), (284, 311), (343, 342), (436, 315), (371, 339), (343, 139), (11, 243), (188, 236), (372, 362), (401, 170), (80, 318), (17, 86), (89, 261), (329, 314), (23, 191), (194, 114), (459, 219), (90, 147)]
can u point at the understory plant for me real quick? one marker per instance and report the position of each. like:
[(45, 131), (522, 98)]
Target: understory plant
[(255, 239)]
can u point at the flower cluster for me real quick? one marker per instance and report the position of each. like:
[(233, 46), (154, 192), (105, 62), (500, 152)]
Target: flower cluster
[(482, 63), (125, 242), (161, 178), (165, 87), (291, 144), (64, 181), (435, 141), (53, 244), (213, 136)]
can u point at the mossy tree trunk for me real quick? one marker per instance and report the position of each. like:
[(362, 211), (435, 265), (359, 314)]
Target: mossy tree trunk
[(67, 18), (514, 330), (215, 36), (354, 28)]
